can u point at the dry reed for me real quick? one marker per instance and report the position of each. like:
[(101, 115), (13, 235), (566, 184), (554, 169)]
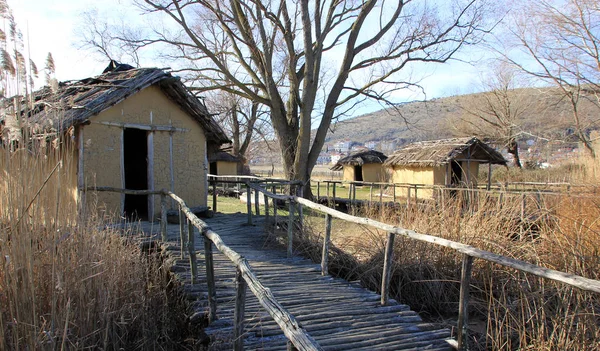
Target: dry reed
[(69, 283)]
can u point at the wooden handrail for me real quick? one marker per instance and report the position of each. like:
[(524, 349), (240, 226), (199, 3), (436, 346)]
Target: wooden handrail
[(288, 324)]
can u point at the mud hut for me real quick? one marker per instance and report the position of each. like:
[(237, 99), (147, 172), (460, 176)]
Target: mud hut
[(450, 162), (363, 166), (224, 163), (133, 129)]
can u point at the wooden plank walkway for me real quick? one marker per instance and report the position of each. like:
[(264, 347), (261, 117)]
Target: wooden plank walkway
[(338, 314)]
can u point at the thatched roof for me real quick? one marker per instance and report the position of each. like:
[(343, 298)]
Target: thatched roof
[(440, 152), (223, 156), (360, 158), (75, 102)]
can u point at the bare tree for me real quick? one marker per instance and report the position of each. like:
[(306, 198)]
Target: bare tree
[(310, 61), (559, 43), (497, 112)]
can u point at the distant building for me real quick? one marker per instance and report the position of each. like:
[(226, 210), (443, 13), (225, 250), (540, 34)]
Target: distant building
[(223, 163), (335, 157), (323, 159), (342, 146), (363, 166), (372, 145), (449, 162)]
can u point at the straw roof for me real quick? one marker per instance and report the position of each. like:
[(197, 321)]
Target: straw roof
[(360, 158), (223, 156), (75, 102), (441, 152)]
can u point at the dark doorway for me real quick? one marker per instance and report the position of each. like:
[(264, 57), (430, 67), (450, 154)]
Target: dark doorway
[(456, 173), (213, 168), (358, 176), (135, 145)]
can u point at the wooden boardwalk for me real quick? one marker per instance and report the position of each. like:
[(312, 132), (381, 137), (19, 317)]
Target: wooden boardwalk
[(338, 314)]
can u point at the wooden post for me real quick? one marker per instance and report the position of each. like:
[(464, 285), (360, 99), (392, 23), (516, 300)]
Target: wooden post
[(210, 279), (182, 226), (266, 198), (463, 312), (318, 190), (325, 254), (394, 191), (350, 191), (256, 203), (333, 195), (371, 192), (290, 229), (387, 268), (249, 203), (380, 196), (191, 246), (328, 199), (300, 193), (238, 313), (523, 206), (416, 199), (408, 197), (275, 207), (489, 183), (163, 216), (214, 184)]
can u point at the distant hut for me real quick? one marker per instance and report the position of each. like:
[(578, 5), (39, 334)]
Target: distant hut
[(130, 128), (449, 162), (224, 163), (363, 166)]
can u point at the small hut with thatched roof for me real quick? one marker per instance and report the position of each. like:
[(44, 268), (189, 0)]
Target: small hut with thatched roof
[(224, 163), (449, 162), (363, 166)]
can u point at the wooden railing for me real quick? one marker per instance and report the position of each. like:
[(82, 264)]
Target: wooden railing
[(468, 254), (298, 338)]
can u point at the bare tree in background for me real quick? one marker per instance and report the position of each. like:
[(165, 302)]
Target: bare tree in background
[(310, 61), (497, 112), (559, 43), (245, 121)]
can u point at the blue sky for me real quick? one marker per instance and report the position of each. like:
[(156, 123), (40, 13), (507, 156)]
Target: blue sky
[(52, 26)]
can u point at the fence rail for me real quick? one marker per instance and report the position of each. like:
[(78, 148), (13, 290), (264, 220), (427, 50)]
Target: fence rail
[(468, 254)]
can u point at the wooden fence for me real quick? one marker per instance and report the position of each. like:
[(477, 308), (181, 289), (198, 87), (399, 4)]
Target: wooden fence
[(297, 336), (468, 254)]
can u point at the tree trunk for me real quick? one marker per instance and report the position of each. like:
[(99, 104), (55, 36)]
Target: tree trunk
[(513, 149)]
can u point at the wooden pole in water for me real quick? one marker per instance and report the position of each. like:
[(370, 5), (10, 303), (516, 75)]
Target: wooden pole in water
[(325, 254), (182, 220), (238, 313), (163, 215), (249, 203), (290, 229), (388, 262), (463, 313), (210, 279)]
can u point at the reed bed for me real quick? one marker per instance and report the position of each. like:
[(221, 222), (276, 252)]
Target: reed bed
[(509, 310), (68, 282)]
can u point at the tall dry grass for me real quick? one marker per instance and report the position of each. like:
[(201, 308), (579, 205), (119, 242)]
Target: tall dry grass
[(69, 283), (510, 310)]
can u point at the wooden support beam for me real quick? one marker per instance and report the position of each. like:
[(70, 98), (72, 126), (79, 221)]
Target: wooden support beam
[(318, 190), (266, 198), (326, 241), (238, 313), (210, 279), (407, 198), (249, 203), (275, 207), (463, 312), (256, 203), (191, 246), (182, 228), (290, 229), (163, 216), (388, 262), (214, 197)]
